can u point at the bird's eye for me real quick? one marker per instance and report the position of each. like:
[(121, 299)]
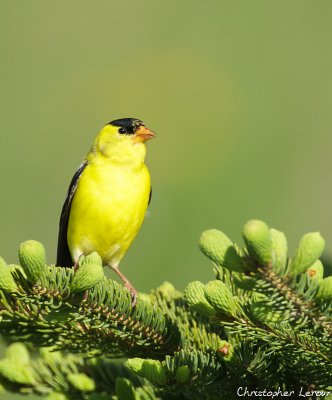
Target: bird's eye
[(122, 130)]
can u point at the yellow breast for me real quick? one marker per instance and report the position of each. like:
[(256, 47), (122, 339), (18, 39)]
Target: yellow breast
[(108, 209)]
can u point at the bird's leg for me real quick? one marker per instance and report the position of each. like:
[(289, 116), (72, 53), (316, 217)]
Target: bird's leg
[(76, 265), (76, 261), (127, 285)]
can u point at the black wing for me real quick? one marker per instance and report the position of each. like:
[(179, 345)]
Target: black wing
[(63, 255)]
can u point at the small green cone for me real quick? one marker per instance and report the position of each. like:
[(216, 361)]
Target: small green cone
[(325, 289), (316, 271), (16, 372), (135, 364), (92, 258), (7, 281), (89, 273), (144, 297), (310, 248), (124, 389), (18, 352), (257, 237), (279, 249), (81, 382), (182, 374), (194, 296), (154, 371), (220, 297), (33, 259), (219, 248), (166, 289), (225, 351)]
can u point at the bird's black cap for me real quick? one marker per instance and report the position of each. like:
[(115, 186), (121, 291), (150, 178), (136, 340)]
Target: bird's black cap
[(129, 124)]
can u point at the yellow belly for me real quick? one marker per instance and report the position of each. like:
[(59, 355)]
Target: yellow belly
[(107, 210)]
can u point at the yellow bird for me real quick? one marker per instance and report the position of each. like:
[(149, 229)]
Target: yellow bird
[(107, 197)]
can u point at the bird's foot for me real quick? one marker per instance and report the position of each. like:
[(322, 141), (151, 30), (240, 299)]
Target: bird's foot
[(127, 285), (133, 293), (76, 266)]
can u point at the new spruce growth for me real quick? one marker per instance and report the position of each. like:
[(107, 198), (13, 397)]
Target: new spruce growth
[(263, 322), (32, 259), (220, 249), (258, 239), (310, 248), (7, 281), (89, 273)]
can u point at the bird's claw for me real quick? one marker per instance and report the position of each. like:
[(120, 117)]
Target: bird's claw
[(133, 293)]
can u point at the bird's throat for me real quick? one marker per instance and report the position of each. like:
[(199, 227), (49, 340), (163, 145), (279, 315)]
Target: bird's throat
[(125, 154)]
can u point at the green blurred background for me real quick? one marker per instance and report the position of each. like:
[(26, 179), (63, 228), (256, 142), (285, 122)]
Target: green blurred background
[(238, 92)]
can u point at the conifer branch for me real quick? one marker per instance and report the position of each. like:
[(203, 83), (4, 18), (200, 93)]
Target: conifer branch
[(264, 322)]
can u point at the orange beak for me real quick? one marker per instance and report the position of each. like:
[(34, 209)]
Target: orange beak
[(143, 134)]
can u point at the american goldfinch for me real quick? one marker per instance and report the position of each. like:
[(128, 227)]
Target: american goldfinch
[(107, 197)]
